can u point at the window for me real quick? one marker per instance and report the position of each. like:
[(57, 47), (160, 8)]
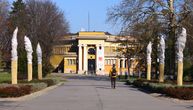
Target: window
[(106, 62), (114, 61), (91, 51), (74, 62), (71, 61)]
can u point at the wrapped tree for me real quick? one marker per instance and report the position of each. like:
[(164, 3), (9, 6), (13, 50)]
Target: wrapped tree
[(14, 57), (180, 45), (29, 50), (39, 56), (149, 51), (161, 58)]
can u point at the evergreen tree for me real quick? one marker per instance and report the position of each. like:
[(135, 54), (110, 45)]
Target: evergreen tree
[(18, 18)]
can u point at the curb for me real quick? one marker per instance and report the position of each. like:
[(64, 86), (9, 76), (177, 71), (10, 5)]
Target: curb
[(32, 95)]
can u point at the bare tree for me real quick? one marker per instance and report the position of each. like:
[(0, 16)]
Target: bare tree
[(46, 24), (169, 13), (4, 8)]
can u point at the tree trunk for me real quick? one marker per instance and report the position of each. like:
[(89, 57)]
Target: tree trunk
[(171, 41)]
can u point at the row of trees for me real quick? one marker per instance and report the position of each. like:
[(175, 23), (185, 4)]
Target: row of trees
[(41, 20), (147, 19)]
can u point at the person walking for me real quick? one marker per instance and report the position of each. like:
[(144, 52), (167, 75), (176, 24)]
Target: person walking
[(113, 75)]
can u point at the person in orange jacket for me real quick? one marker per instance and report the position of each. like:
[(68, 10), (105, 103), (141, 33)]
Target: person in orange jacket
[(113, 75)]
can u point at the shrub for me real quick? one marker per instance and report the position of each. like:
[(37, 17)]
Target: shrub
[(50, 82), (37, 86), (15, 91), (185, 93), (130, 81)]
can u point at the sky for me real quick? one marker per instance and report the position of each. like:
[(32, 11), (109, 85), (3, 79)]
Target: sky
[(76, 12)]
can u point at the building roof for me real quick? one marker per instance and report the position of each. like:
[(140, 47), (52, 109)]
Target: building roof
[(95, 35)]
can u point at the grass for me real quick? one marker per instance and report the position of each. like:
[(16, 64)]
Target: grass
[(5, 77), (60, 78)]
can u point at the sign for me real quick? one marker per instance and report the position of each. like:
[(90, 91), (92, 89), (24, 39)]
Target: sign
[(100, 57)]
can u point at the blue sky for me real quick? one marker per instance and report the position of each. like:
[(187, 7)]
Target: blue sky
[(76, 12)]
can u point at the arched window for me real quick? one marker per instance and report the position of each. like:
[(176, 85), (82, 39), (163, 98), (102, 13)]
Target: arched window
[(91, 51)]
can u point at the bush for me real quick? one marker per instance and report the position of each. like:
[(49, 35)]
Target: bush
[(130, 80), (49, 82), (24, 87), (37, 86), (185, 92), (15, 91)]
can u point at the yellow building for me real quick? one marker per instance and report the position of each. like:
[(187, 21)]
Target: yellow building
[(89, 53)]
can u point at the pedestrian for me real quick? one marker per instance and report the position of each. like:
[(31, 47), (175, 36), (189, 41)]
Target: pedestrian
[(113, 75)]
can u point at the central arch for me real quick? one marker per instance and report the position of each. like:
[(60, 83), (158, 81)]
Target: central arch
[(91, 60)]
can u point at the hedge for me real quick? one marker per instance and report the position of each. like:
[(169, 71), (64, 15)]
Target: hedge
[(180, 92), (25, 87)]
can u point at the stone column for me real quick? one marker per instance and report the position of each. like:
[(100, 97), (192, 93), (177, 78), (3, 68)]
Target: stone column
[(131, 61), (97, 60), (100, 59), (79, 59), (85, 68), (102, 62), (123, 63), (118, 68)]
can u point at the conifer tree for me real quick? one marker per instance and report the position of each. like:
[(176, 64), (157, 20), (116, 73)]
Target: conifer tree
[(18, 18)]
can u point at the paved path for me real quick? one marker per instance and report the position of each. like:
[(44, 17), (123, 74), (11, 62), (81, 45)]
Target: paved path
[(88, 94)]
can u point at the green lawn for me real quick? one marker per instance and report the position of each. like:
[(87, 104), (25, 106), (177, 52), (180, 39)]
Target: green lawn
[(5, 76)]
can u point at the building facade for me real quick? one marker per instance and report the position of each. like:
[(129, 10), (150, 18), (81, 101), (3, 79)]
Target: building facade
[(90, 53)]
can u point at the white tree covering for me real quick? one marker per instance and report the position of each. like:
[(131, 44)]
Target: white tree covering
[(149, 50), (14, 45), (28, 48), (162, 50), (180, 43), (39, 53)]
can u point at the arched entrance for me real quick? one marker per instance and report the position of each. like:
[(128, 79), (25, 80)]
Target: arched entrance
[(91, 60)]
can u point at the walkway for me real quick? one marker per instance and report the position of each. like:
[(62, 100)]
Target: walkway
[(95, 94)]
